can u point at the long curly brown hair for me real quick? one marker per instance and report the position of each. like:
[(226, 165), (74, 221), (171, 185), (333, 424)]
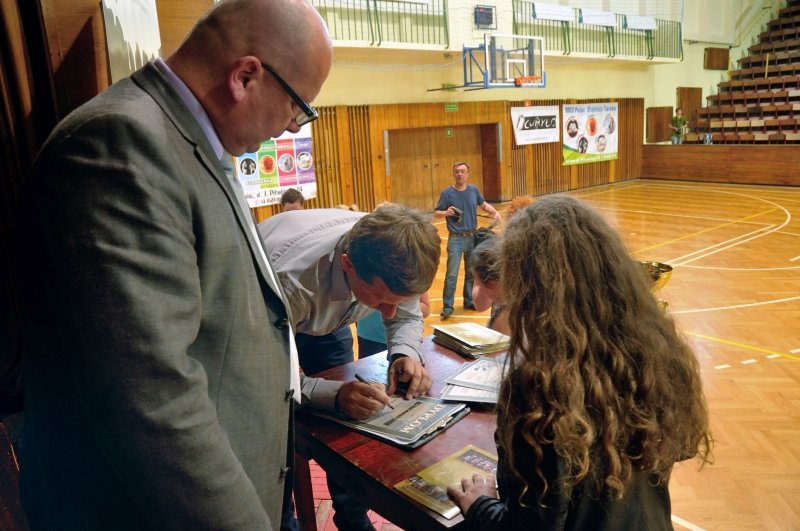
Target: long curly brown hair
[(599, 372)]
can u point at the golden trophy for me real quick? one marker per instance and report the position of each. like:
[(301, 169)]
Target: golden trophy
[(658, 274)]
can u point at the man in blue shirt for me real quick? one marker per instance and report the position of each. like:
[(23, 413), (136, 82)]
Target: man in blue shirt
[(459, 204)]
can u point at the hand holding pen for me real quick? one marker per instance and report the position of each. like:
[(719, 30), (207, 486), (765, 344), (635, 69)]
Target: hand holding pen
[(370, 382), (361, 398)]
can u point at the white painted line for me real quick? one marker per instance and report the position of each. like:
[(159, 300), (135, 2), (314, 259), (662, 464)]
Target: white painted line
[(749, 362), (735, 306), (726, 366), (687, 525), (795, 351), (749, 269), (795, 258), (755, 234), (701, 253), (774, 356)]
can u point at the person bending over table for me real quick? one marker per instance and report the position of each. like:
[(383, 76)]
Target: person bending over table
[(372, 334), (335, 267), (601, 397)]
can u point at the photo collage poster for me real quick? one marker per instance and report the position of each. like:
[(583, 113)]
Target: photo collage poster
[(280, 163), (590, 133)]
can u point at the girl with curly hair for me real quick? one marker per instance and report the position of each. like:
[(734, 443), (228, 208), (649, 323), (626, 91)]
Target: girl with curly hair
[(602, 395)]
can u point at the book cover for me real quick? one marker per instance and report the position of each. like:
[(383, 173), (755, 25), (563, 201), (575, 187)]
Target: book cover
[(429, 486)]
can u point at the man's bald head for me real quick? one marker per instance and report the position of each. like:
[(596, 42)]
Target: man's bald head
[(221, 57)]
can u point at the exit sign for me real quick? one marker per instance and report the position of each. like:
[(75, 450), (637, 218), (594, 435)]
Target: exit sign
[(451, 107)]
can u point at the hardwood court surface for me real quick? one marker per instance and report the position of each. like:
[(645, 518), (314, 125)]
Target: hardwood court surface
[(735, 294)]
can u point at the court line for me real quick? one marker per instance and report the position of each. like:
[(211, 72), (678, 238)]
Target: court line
[(671, 215), (688, 525), (741, 240), (716, 187), (704, 231), (715, 247), (611, 187), (742, 345), (746, 269), (735, 306), (786, 221)]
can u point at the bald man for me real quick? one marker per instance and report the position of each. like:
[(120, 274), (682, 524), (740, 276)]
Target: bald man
[(158, 384)]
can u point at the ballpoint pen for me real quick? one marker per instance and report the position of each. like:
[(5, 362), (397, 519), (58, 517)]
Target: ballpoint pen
[(364, 380)]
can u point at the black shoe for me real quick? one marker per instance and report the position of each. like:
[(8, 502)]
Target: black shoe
[(446, 313), (469, 307)]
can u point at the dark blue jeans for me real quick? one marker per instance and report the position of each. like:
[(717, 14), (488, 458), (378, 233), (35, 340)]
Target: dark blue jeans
[(318, 353), (458, 247)]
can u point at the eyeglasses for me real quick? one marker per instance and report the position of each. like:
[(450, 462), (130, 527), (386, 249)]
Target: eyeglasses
[(308, 113)]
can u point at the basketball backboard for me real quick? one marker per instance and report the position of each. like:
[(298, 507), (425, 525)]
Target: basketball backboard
[(505, 61)]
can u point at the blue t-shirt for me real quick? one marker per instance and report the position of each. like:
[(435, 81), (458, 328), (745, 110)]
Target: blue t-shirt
[(371, 327), (468, 201)]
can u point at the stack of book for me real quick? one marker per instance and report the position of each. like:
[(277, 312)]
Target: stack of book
[(470, 339)]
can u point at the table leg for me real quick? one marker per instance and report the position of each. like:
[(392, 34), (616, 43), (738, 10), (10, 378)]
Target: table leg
[(304, 494)]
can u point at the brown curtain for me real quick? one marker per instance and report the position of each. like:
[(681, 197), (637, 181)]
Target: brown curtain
[(26, 117)]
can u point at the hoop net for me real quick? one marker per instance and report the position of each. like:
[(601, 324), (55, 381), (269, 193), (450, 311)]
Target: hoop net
[(527, 81)]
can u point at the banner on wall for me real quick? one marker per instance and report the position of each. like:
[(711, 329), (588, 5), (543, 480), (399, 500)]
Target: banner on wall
[(535, 125), (590, 133), (280, 163), (132, 36)]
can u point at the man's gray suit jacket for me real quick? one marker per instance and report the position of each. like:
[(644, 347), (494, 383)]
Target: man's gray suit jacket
[(157, 361)]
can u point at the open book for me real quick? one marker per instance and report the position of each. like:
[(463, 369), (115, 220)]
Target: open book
[(470, 339), (410, 424), (429, 486)]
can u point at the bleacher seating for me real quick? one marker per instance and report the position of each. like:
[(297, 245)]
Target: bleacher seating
[(760, 103)]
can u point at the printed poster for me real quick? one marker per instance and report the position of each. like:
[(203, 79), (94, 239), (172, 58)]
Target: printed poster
[(536, 125), (590, 133), (280, 163)]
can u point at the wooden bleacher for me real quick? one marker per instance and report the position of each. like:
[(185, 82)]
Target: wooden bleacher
[(760, 104)]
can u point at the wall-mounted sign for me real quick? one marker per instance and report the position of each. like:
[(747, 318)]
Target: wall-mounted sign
[(451, 106), (590, 133), (280, 163), (535, 125)]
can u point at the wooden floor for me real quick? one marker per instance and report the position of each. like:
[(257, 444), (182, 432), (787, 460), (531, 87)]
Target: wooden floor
[(735, 293)]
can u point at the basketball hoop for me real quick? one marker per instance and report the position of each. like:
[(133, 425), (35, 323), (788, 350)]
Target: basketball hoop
[(527, 81)]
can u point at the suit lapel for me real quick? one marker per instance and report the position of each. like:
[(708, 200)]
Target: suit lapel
[(154, 83)]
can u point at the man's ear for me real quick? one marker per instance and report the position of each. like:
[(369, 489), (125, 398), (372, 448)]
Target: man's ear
[(347, 265), (241, 76)]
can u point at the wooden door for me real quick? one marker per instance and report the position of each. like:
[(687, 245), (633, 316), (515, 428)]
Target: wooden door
[(690, 100), (459, 144), (658, 122), (421, 162), (410, 168)]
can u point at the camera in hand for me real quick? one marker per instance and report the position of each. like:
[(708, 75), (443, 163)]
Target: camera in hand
[(459, 214)]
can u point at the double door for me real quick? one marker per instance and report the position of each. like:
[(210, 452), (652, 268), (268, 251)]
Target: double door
[(421, 162)]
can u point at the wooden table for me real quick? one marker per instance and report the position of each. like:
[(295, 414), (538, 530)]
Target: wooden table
[(370, 468)]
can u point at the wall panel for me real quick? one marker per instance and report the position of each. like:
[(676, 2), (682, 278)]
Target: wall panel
[(731, 163)]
